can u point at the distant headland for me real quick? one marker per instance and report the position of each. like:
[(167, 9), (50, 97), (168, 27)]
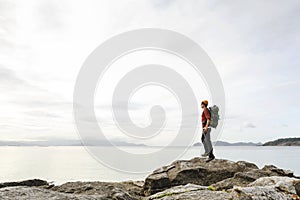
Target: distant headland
[(284, 142)]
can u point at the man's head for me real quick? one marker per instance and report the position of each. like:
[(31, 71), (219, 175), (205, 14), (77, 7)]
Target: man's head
[(204, 104)]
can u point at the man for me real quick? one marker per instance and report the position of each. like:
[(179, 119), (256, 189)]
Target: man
[(206, 132)]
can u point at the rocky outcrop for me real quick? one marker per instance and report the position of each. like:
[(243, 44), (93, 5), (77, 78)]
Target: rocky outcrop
[(271, 188), (184, 179), (190, 192), (268, 188), (123, 190), (129, 190), (32, 182), (195, 171), (36, 193), (244, 178)]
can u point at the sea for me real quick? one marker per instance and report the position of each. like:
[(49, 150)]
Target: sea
[(59, 164)]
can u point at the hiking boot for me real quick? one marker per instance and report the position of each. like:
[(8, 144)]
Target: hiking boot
[(210, 158), (205, 155)]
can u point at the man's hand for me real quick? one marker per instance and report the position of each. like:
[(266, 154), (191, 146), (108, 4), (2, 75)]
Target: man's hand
[(206, 126)]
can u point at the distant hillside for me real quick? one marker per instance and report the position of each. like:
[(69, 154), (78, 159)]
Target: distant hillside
[(223, 143), (284, 142), (66, 143)]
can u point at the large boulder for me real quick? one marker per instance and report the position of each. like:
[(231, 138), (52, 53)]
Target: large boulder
[(196, 171), (269, 188), (278, 171), (265, 188), (246, 177)]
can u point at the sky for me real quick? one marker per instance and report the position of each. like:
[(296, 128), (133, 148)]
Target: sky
[(254, 45)]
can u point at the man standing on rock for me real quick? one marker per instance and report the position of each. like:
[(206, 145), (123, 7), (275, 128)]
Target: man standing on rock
[(206, 132)]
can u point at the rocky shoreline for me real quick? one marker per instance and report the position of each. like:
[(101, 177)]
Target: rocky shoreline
[(183, 179)]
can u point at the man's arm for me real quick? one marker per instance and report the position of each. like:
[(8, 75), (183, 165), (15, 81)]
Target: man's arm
[(207, 124), (207, 115)]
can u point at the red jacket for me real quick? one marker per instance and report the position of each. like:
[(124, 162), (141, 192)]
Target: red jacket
[(205, 116)]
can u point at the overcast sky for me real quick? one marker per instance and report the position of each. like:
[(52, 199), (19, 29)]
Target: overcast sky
[(254, 44)]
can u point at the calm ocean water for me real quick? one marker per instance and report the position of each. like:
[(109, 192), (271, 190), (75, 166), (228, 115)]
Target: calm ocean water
[(62, 164)]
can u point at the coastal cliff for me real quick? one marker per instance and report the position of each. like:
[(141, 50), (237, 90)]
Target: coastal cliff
[(183, 179)]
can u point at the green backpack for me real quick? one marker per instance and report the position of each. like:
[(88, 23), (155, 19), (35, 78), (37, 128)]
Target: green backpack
[(214, 116)]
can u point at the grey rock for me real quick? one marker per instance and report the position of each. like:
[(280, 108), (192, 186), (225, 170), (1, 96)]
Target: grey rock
[(244, 178), (268, 188), (189, 192), (35, 193), (31, 182), (184, 179), (297, 187), (129, 190), (278, 171), (195, 171)]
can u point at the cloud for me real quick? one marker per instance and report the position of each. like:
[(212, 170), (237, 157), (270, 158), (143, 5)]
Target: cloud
[(255, 51), (162, 4), (20, 92), (7, 26), (41, 113), (46, 100), (248, 125), (233, 116), (51, 14), (122, 105), (9, 78)]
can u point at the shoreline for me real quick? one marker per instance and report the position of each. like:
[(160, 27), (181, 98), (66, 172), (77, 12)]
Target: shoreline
[(75, 163), (182, 179)]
